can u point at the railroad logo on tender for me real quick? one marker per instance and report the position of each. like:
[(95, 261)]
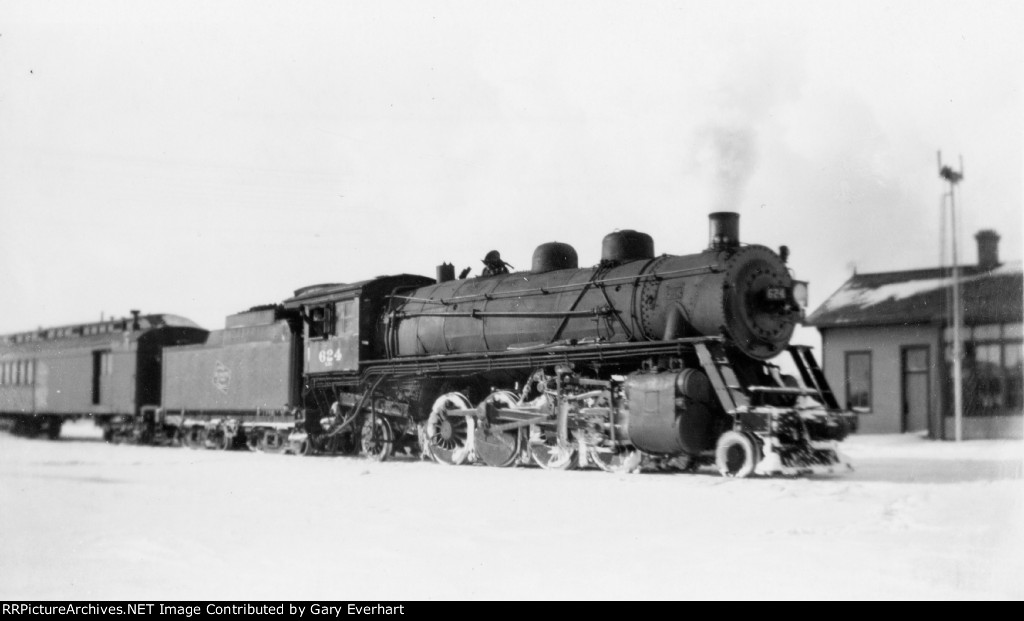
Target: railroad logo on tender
[(221, 377)]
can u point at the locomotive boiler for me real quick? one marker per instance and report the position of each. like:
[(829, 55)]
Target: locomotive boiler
[(743, 293)]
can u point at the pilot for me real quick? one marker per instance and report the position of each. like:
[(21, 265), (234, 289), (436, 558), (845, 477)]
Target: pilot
[(493, 265)]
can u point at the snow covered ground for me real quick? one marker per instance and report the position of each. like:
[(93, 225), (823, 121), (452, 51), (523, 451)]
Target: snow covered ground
[(83, 520)]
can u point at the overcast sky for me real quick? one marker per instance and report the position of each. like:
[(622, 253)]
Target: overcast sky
[(200, 158)]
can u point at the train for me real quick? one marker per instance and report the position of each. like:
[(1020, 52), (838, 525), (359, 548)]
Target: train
[(640, 361)]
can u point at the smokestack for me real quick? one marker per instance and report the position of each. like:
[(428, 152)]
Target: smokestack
[(135, 319), (724, 230), (988, 249)]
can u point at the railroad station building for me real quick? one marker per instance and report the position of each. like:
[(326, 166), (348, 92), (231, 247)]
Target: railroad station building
[(887, 343)]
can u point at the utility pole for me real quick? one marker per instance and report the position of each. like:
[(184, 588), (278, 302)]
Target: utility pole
[(954, 177)]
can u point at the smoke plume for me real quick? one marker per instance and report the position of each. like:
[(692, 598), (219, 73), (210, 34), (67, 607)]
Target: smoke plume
[(728, 156)]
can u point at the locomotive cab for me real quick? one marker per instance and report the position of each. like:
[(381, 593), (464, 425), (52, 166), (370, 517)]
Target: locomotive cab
[(341, 321)]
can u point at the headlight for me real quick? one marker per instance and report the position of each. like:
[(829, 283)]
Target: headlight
[(800, 293)]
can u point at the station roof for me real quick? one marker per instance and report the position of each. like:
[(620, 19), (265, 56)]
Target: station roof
[(924, 297)]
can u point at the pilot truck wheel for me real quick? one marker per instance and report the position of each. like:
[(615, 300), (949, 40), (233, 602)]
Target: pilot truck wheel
[(737, 454)]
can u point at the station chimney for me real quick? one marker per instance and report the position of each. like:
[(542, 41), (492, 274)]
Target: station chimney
[(988, 249)]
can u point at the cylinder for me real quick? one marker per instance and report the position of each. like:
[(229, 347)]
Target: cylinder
[(627, 245), (671, 413), (554, 256), (724, 230)]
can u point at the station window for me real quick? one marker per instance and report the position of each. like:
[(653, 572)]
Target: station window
[(858, 381), (988, 375), (1013, 367), (993, 373)]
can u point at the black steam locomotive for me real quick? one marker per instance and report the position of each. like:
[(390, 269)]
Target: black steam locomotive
[(642, 359)]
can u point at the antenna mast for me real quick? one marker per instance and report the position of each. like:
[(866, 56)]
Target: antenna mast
[(954, 177)]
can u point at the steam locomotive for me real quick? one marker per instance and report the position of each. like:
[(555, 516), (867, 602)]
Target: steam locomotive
[(642, 360)]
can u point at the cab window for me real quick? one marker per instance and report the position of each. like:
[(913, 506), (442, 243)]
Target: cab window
[(348, 321), (321, 321)]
